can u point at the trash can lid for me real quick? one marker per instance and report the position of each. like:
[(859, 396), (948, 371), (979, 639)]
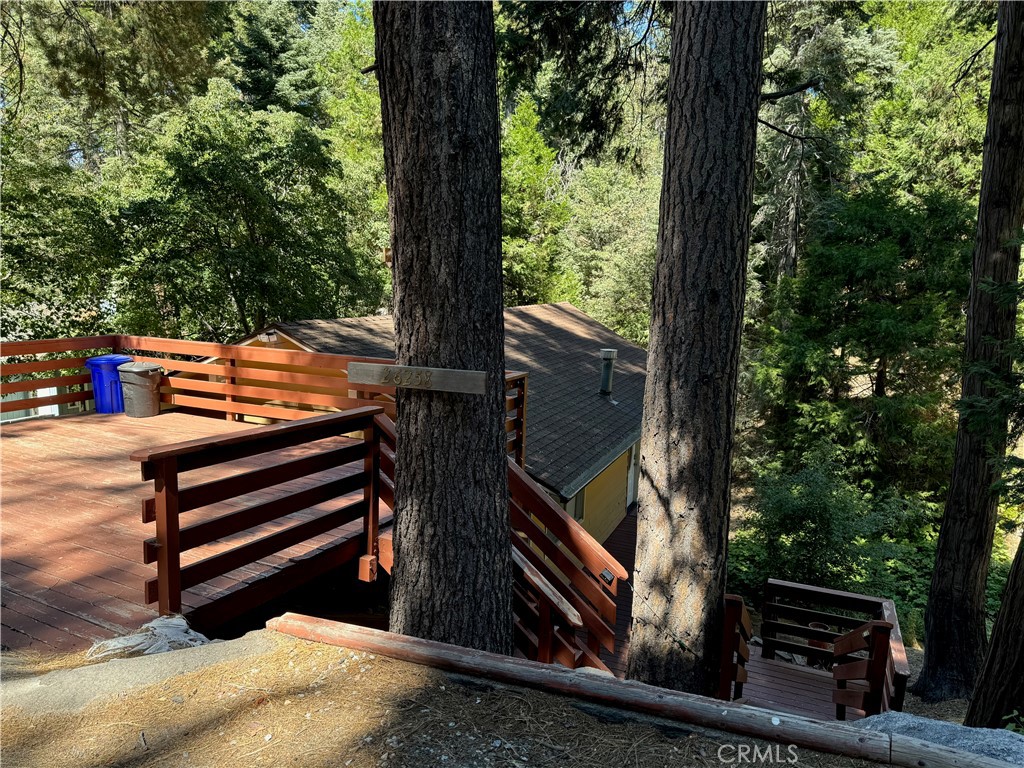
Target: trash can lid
[(134, 367), (113, 359)]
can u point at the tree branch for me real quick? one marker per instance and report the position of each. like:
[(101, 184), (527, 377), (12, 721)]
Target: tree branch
[(784, 132), (776, 95), (968, 64)]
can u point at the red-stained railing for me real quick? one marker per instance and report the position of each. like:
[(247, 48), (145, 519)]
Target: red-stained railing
[(326, 483), (223, 380), (565, 581)]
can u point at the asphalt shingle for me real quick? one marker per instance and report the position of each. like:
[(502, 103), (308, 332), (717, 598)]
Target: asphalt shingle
[(572, 432)]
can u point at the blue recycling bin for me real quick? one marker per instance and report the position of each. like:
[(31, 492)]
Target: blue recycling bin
[(106, 385)]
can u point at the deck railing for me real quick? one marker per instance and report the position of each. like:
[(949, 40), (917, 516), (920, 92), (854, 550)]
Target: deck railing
[(565, 581), (575, 564), (863, 655), (737, 630), (807, 621), (334, 464), (230, 381)]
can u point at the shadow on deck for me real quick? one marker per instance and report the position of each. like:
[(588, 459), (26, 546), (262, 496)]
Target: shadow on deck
[(72, 568)]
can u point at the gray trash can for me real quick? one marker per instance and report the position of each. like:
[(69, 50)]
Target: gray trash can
[(140, 383)]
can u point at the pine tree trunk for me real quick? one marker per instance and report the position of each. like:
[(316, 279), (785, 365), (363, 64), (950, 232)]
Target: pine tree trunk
[(999, 692), (696, 319), (955, 618), (437, 72)]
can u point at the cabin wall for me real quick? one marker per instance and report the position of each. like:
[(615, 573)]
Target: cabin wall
[(604, 498)]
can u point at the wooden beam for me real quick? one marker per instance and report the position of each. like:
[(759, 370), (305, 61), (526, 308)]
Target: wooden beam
[(418, 377), (605, 689), (638, 697), (546, 590)]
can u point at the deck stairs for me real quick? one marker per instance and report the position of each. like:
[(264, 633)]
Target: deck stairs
[(565, 581)]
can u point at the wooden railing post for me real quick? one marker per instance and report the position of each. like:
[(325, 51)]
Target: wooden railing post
[(768, 635), (228, 397), (371, 495), (545, 632), (520, 441), (165, 483), (875, 698), (727, 667)]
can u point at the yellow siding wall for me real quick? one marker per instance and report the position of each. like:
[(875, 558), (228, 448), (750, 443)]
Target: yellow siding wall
[(604, 499)]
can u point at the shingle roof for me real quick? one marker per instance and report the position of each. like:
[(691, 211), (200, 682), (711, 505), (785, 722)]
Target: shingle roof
[(572, 432)]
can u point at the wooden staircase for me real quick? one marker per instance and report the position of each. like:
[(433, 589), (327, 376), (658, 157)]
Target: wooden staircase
[(565, 582)]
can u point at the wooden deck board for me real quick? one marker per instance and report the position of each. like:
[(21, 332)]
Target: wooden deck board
[(71, 568), (773, 684)]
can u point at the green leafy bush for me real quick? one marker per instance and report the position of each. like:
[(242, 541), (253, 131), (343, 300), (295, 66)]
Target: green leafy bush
[(816, 526), (809, 526)]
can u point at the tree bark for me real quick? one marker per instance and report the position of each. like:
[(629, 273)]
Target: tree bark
[(437, 72), (999, 693), (955, 618), (692, 365)]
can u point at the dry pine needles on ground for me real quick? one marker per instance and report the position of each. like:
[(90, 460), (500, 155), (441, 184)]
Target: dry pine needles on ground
[(312, 705)]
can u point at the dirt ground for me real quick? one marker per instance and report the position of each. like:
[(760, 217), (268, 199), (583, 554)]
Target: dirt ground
[(311, 705)]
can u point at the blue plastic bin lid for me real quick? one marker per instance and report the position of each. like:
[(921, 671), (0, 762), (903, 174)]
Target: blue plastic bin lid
[(115, 359)]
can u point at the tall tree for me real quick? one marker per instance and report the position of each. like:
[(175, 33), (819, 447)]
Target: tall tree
[(998, 697), (696, 319), (437, 71), (955, 640)]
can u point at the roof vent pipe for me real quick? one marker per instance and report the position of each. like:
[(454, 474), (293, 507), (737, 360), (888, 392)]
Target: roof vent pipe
[(607, 370)]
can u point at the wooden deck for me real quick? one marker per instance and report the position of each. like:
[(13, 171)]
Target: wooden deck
[(773, 684), (71, 566)]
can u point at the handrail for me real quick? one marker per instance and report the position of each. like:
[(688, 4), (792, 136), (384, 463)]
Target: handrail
[(781, 617), (553, 596), (76, 385), (561, 522), (736, 633), (862, 654), (215, 448), (38, 347), (565, 573), (232, 381), (167, 464)]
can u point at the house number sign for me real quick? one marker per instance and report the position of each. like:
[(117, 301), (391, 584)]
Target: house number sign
[(415, 377)]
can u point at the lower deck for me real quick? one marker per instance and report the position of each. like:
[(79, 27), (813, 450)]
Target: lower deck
[(72, 566), (772, 684)]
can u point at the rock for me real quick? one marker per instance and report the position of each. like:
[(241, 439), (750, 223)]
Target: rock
[(990, 742)]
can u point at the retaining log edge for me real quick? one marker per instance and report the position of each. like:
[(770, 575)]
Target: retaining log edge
[(601, 687)]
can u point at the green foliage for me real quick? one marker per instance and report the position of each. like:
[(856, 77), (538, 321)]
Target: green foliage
[(610, 239), (271, 57), (865, 344), (811, 525), (203, 212), (930, 130), (582, 62), (533, 210), (119, 62), (815, 525), (234, 225), (1015, 722)]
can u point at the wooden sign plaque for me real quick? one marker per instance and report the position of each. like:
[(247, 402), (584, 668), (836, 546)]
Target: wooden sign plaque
[(415, 377)]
